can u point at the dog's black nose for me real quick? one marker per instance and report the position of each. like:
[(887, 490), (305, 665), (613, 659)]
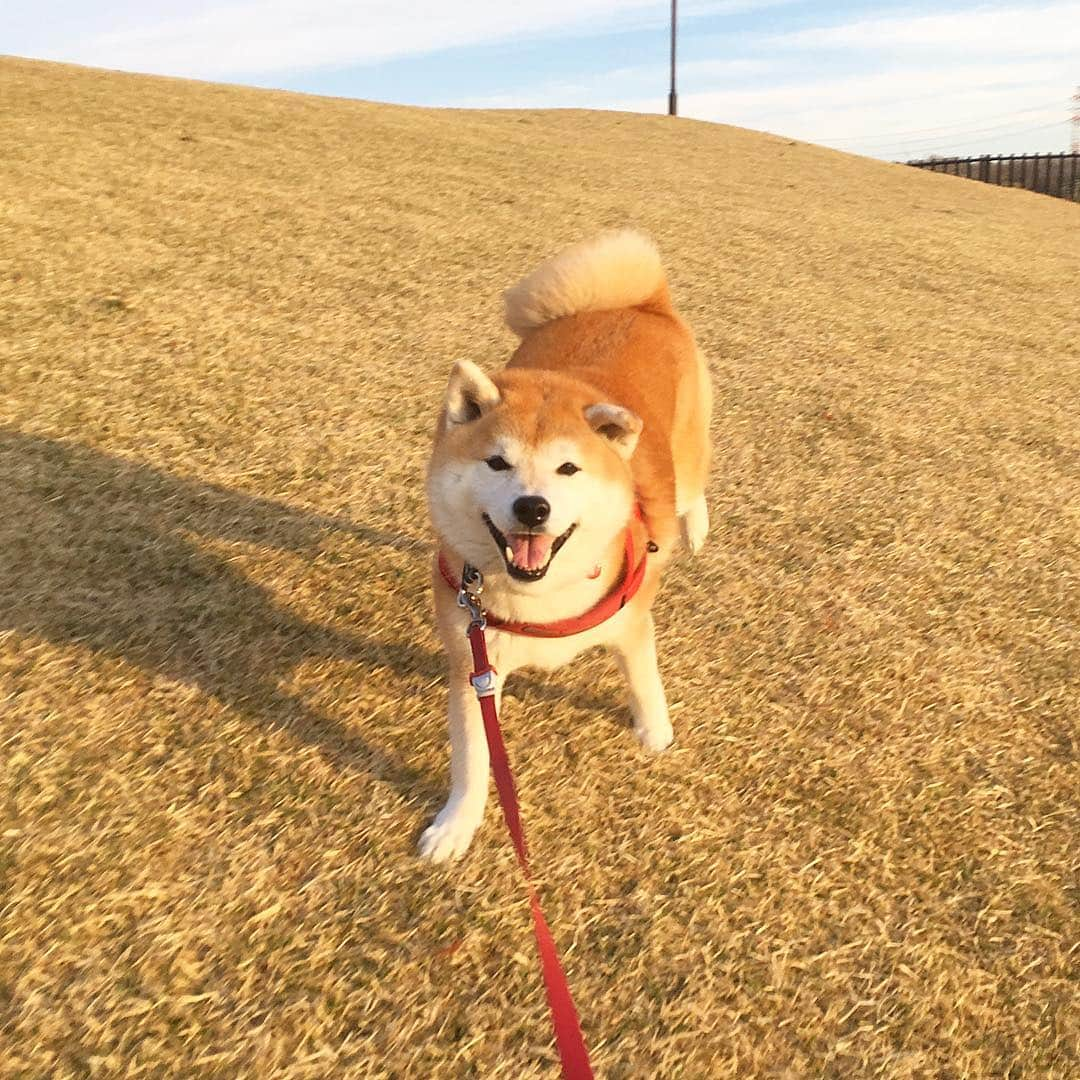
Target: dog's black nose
[(532, 510)]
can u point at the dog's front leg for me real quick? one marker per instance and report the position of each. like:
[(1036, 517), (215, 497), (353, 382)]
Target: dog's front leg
[(452, 830), (635, 652)]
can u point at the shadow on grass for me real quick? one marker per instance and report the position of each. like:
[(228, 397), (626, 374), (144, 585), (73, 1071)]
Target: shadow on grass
[(98, 550)]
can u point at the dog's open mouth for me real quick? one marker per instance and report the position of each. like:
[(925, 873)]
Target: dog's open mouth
[(527, 555)]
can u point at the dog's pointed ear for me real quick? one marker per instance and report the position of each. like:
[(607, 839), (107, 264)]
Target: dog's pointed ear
[(469, 393), (619, 426)]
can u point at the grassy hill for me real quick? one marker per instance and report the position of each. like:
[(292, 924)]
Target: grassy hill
[(226, 317)]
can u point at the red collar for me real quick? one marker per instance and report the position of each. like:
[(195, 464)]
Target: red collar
[(632, 576)]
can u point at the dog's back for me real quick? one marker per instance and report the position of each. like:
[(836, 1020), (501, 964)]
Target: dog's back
[(601, 312)]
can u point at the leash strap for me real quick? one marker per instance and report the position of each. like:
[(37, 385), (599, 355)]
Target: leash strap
[(564, 1018)]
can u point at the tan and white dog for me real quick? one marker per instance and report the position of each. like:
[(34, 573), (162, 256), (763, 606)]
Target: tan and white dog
[(537, 474)]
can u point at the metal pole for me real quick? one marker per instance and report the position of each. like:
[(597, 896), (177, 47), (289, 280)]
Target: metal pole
[(673, 99)]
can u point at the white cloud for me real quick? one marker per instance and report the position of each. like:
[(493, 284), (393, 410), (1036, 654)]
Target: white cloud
[(902, 87), (231, 40), (971, 109), (966, 81), (1012, 32), (619, 88), (952, 117), (295, 35)]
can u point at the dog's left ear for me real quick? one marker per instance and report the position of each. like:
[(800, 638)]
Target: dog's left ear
[(469, 393), (619, 426)]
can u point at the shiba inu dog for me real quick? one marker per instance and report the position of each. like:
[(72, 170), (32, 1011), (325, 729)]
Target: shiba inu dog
[(587, 453)]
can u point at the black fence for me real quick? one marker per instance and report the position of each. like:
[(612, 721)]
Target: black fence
[(1048, 174)]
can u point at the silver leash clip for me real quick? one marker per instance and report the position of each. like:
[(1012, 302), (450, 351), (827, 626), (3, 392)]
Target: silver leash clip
[(468, 597)]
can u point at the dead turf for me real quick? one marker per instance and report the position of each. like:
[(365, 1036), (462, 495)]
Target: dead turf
[(225, 321)]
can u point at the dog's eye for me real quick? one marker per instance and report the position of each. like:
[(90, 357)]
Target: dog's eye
[(568, 468), (499, 464)]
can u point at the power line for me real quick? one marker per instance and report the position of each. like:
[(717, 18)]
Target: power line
[(1075, 120), (968, 142), (943, 129), (999, 131), (1003, 130)]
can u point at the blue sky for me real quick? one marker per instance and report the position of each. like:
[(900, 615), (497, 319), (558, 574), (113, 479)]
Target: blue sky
[(890, 79)]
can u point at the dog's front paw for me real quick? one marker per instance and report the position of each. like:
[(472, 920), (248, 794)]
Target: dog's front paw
[(448, 836), (656, 736)]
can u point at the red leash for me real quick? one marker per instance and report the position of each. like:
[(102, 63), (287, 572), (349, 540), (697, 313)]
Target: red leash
[(564, 1018)]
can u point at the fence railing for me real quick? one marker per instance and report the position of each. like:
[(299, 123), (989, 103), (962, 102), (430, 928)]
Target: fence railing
[(1048, 174)]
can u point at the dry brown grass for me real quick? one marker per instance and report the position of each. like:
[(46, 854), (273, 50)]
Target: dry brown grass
[(226, 320)]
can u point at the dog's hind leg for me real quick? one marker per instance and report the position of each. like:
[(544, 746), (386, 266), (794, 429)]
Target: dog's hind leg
[(692, 451), (695, 524), (450, 834), (635, 654)]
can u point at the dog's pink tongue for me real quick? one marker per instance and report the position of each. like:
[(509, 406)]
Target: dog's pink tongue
[(530, 551)]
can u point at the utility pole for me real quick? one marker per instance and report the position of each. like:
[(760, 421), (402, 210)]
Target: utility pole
[(1076, 122), (672, 96)]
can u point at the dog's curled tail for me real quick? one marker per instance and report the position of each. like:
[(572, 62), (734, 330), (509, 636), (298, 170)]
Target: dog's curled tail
[(612, 270)]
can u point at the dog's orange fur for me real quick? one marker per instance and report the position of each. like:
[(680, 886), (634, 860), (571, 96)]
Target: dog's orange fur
[(643, 358)]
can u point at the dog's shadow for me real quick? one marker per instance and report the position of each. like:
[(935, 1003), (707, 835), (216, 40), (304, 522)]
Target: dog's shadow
[(100, 551)]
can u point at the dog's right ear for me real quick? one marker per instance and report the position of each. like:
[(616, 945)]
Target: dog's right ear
[(619, 426), (469, 394)]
